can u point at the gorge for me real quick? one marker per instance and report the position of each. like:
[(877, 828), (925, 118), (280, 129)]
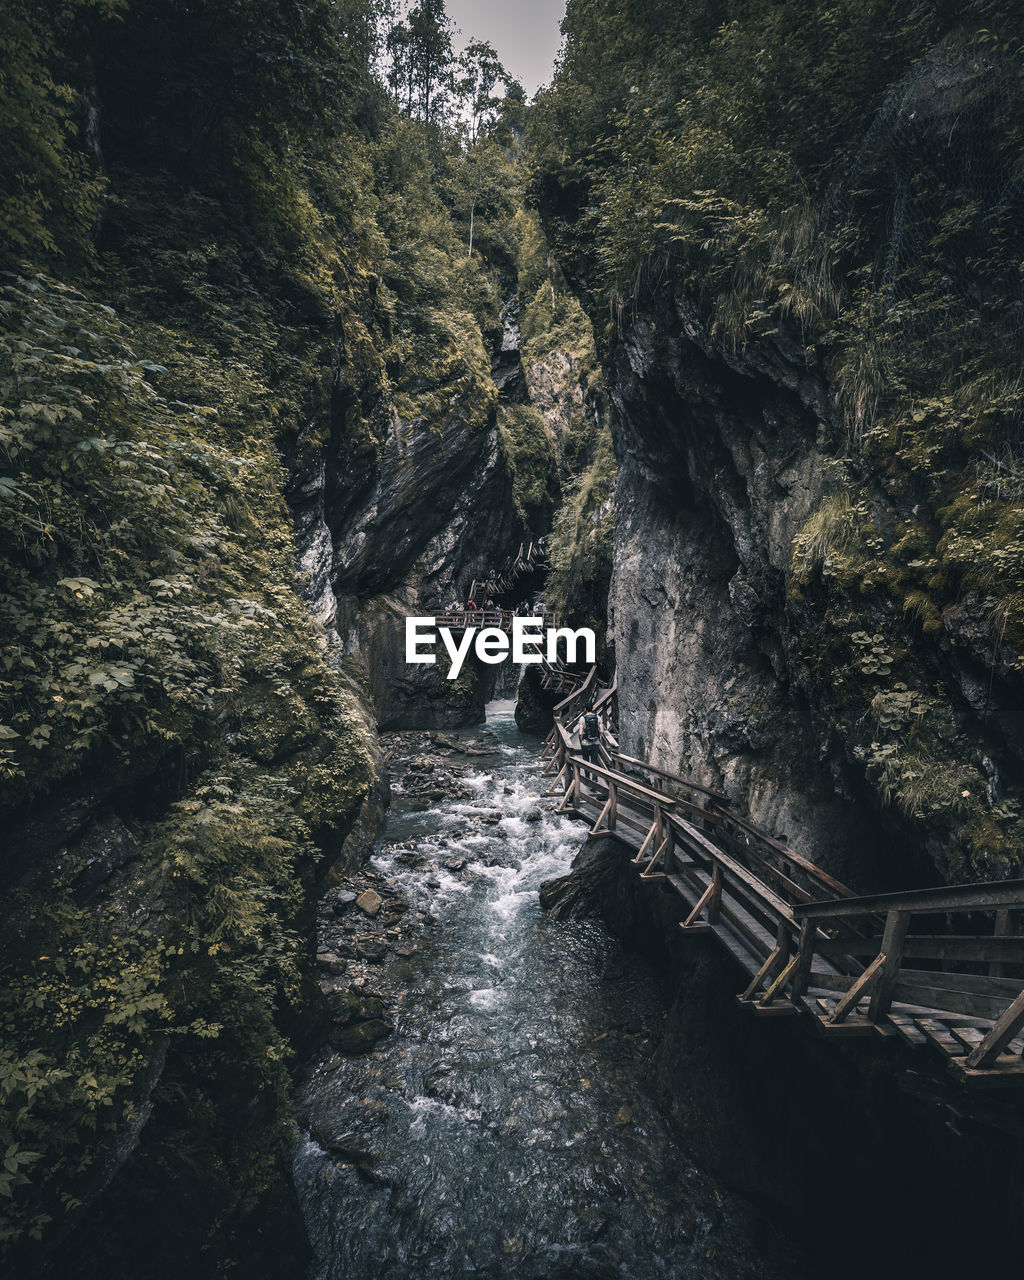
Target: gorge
[(308, 322)]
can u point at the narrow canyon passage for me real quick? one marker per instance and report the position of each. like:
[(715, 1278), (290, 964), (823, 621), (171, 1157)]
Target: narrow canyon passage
[(507, 1127)]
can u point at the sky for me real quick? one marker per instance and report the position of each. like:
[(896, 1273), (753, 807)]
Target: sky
[(524, 33)]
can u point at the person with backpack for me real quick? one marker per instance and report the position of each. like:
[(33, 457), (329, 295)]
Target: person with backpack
[(590, 736)]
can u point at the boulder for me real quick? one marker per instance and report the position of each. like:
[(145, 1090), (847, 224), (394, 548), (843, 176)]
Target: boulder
[(369, 901), (360, 1037)]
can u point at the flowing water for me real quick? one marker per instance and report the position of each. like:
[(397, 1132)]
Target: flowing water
[(507, 1127)]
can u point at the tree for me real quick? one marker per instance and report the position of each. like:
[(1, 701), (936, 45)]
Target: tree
[(480, 70), (430, 51)]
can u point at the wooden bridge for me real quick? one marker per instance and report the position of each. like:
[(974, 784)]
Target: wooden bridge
[(937, 968)]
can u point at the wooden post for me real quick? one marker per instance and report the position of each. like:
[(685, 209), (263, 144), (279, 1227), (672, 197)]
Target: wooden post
[(613, 804), (715, 903), (892, 950), (804, 958), (1003, 929)]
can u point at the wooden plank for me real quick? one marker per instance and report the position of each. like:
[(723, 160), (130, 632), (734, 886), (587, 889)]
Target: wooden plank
[(854, 1025), (937, 946), (969, 1037), (737, 947), (1005, 1074), (949, 1001), (990, 894), (977, 983), (905, 1026), (1007, 1026), (858, 989), (940, 1036)]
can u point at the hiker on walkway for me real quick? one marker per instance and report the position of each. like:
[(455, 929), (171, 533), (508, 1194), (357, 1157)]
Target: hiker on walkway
[(471, 604), (590, 737)]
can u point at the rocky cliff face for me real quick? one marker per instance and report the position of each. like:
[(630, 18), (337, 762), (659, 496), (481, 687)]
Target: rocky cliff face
[(725, 457), (398, 527)]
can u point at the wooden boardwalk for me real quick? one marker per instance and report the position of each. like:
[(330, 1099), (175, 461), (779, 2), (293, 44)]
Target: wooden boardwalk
[(530, 558), (939, 969)]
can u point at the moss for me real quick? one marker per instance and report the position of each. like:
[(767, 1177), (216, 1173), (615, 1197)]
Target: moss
[(159, 595), (530, 457), (581, 544)]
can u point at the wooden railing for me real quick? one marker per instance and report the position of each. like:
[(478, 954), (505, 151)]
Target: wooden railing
[(807, 942), (527, 560)]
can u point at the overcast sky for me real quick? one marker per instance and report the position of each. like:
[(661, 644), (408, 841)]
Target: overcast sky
[(524, 32)]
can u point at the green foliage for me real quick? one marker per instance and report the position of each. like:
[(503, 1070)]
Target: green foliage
[(50, 189), (149, 610), (580, 547), (530, 454), (841, 180)]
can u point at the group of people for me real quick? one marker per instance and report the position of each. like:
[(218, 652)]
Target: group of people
[(522, 610)]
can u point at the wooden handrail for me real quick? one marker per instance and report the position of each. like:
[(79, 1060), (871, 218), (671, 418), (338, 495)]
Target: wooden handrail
[(673, 777), (984, 896), (751, 890)]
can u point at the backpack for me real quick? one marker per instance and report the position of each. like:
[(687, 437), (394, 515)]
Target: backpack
[(591, 726)]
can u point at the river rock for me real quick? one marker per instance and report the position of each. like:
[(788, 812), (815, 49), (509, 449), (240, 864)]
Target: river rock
[(341, 901), (533, 815), (372, 950), (464, 748), (624, 1115), (369, 901), (331, 962), (360, 1037)]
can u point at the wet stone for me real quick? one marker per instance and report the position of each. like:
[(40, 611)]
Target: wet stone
[(369, 901), (360, 1037), (331, 962), (372, 951)]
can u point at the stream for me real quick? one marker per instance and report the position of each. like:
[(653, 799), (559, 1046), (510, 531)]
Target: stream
[(508, 1125)]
